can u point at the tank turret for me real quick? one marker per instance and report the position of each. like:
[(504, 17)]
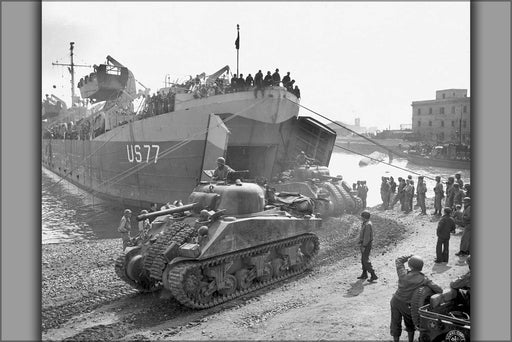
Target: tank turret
[(225, 243)]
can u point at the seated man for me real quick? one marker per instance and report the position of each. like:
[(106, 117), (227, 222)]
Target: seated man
[(303, 159), (463, 286), (222, 170)]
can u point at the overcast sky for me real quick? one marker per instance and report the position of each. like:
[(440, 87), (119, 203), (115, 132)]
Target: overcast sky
[(366, 59)]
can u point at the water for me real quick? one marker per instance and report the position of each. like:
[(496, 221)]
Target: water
[(70, 214)]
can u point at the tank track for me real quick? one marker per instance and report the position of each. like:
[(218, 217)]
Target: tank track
[(337, 199), (176, 275), (350, 205), (120, 269), (178, 233), (155, 248)]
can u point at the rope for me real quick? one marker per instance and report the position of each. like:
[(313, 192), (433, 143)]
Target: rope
[(366, 138)]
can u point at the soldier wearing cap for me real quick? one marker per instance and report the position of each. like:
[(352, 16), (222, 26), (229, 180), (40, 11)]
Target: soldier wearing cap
[(439, 194), (421, 190), (408, 281), (365, 244), (222, 170), (125, 227), (465, 240)]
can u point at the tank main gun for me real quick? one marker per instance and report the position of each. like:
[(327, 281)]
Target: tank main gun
[(114, 62), (170, 211)]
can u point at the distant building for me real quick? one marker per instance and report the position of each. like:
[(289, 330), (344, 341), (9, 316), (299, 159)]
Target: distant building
[(341, 132), (445, 119)]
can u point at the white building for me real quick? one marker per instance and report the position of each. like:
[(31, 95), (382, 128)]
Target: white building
[(445, 119)]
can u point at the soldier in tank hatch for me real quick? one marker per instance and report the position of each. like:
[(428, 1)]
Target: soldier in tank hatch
[(408, 282), (222, 170)]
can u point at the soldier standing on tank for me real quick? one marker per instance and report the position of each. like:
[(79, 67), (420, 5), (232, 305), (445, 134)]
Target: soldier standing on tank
[(125, 227), (408, 282), (365, 244), (421, 191), (438, 196)]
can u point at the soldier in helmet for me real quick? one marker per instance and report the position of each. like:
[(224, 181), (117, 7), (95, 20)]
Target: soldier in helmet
[(125, 227), (408, 281), (222, 170), (365, 244)]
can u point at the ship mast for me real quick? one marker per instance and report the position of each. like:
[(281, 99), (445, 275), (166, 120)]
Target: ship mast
[(71, 69)]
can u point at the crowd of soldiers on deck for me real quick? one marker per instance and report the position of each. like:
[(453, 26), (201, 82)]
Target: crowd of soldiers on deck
[(163, 102)]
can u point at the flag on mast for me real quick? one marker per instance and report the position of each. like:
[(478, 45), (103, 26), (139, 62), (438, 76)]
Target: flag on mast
[(237, 41)]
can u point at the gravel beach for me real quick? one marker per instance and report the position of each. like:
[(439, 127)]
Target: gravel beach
[(83, 299)]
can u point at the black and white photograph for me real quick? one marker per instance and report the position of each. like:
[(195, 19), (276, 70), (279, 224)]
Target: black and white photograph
[(256, 171)]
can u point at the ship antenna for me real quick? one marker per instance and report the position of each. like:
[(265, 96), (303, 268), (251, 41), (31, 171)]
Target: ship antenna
[(71, 69)]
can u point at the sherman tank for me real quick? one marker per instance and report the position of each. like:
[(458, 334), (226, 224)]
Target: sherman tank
[(226, 242), (332, 195)]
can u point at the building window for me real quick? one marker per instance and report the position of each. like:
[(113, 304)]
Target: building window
[(444, 95), (465, 109), (453, 123), (453, 109), (419, 111), (430, 110), (419, 123), (442, 123), (441, 110), (464, 123), (430, 123)]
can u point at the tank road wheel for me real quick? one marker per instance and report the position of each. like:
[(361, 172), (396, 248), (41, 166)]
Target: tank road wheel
[(267, 273), (308, 248), (242, 277), (194, 287), (230, 283), (277, 265)]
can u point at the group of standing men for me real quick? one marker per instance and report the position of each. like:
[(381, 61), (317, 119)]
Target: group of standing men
[(260, 82)]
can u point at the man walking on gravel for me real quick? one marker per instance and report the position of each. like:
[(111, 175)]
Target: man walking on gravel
[(365, 243), (408, 281), (124, 227)]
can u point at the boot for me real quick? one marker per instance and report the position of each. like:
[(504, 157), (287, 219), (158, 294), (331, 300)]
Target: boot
[(373, 277), (363, 275)]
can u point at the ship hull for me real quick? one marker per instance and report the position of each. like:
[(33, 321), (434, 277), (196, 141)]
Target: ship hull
[(446, 163), (162, 158)]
